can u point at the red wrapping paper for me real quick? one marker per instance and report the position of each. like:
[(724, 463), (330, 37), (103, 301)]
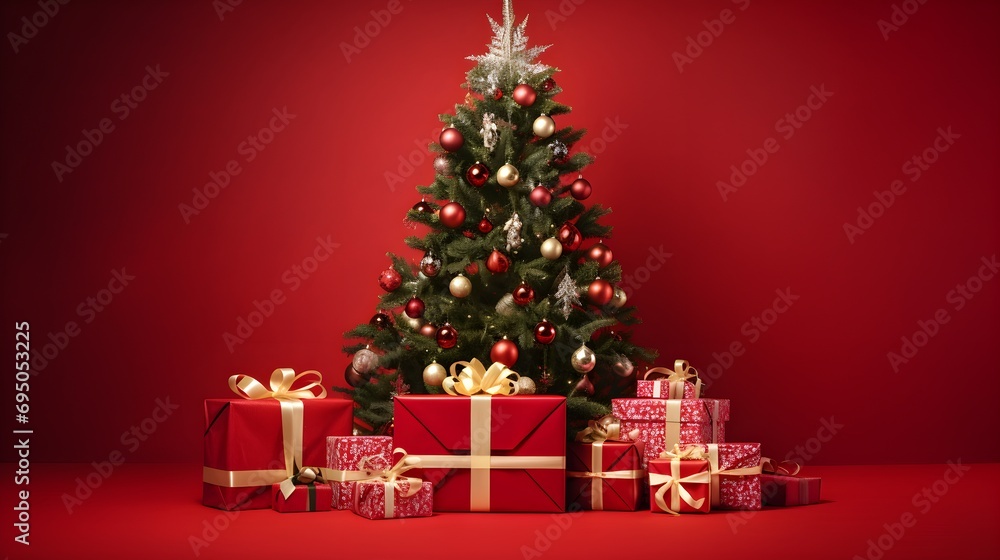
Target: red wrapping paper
[(522, 431), (344, 453), (698, 491), (306, 497), (369, 500), (617, 494), (648, 416), (741, 492), (778, 490), (246, 435)]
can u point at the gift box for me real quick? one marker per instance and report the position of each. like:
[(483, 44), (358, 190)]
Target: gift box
[(351, 458), (780, 490), (260, 440), (662, 383), (736, 474), (376, 499), (680, 486), (483, 453), (662, 423), (605, 475), (304, 497)]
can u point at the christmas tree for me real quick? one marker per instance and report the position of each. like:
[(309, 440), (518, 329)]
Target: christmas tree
[(504, 275)]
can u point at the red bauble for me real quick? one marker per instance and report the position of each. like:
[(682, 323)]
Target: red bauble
[(477, 174), (485, 225), (570, 237), (380, 321), (548, 85), (525, 95), (497, 262), (505, 352), (545, 332), (600, 292), (540, 196), (472, 269), (415, 308), (452, 215), (353, 378), (428, 330), (585, 386), (498, 94), (422, 206), (447, 336), (523, 294), (601, 254), (451, 139), (390, 280), (581, 189)]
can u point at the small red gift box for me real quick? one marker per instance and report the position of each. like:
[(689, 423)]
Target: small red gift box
[(663, 423), (662, 383), (779, 490), (605, 475), (260, 440), (377, 499), (736, 479), (346, 456), (680, 486), (516, 444), (305, 497)]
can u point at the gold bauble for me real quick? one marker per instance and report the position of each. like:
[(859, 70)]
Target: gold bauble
[(583, 359), (618, 300), (460, 286), (552, 249), (508, 175), (525, 386), (543, 127), (434, 374)]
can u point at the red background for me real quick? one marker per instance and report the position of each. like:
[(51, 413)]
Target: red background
[(325, 176)]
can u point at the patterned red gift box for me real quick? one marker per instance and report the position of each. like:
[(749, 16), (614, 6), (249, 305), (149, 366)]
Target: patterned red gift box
[(662, 383), (662, 423), (779, 490), (305, 497), (516, 443), (344, 457), (680, 486), (617, 481), (736, 479), (376, 499), (257, 441)]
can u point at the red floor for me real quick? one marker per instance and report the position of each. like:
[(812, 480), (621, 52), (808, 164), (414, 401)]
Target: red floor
[(152, 511)]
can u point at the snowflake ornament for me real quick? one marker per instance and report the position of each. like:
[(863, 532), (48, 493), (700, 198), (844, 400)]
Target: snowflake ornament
[(566, 294)]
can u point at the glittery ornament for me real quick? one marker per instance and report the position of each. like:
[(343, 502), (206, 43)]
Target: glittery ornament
[(365, 361), (489, 132), (525, 386), (560, 152), (443, 165), (513, 229), (548, 85), (508, 55), (430, 265), (566, 294), (390, 280)]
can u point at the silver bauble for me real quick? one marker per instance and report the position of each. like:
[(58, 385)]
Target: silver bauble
[(365, 361), (583, 359)]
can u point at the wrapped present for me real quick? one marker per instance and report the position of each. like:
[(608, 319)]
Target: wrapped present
[(681, 484), (392, 495), (781, 487), (604, 474), (353, 458), (735, 468), (484, 448), (264, 438), (306, 491), (662, 383), (663, 423)]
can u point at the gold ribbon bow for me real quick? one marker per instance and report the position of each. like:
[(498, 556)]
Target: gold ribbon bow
[(306, 475), (475, 379), (675, 379), (281, 383), (690, 452), (675, 481), (393, 480), (784, 468), (604, 428)]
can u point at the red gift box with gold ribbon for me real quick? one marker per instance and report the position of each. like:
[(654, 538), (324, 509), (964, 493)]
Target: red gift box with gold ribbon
[(681, 484), (483, 447), (266, 437)]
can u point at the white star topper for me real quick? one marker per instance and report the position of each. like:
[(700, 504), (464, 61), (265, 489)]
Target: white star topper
[(509, 53)]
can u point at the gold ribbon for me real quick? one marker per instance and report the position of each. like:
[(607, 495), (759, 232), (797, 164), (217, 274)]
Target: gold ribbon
[(604, 428), (675, 481), (672, 423), (597, 476), (393, 479), (675, 379), (281, 383), (713, 460), (307, 475), (770, 466), (475, 379)]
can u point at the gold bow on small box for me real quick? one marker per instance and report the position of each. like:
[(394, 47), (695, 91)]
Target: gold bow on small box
[(475, 379), (393, 480), (306, 475), (675, 379), (675, 481), (605, 428)]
